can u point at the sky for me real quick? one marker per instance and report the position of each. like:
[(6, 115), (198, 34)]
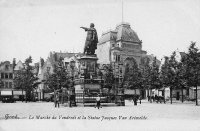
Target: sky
[(36, 27)]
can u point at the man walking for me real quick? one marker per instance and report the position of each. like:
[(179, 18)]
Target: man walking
[(98, 99), (57, 100)]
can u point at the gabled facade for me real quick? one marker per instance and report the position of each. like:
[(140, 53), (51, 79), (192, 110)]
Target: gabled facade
[(47, 67), (6, 71)]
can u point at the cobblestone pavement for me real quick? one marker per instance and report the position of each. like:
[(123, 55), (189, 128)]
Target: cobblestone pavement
[(147, 116)]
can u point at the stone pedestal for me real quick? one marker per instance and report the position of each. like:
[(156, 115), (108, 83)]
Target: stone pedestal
[(88, 65)]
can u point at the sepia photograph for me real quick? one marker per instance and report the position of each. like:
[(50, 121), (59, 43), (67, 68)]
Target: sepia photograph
[(106, 65)]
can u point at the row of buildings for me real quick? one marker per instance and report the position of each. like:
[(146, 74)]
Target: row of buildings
[(8, 72), (118, 47)]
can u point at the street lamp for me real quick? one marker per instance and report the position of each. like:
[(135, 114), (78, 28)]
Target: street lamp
[(84, 74), (72, 65), (25, 74)]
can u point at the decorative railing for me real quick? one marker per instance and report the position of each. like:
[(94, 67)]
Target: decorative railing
[(88, 81)]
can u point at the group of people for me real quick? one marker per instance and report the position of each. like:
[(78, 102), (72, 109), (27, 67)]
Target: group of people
[(57, 100), (157, 99), (136, 98)]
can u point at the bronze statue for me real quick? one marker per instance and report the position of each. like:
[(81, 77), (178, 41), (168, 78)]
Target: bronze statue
[(91, 40)]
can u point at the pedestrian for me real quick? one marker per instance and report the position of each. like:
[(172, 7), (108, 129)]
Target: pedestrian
[(70, 100), (140, 98), (156, 98), (98, 100), (57, 100), (135, 100)]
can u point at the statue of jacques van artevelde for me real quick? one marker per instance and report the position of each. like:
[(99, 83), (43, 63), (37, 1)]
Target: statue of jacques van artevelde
[(91, 40)]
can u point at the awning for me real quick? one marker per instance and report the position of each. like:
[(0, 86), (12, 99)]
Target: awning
[(6, 93), (17, 92)]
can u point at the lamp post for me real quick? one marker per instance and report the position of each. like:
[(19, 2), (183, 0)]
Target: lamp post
[(24, 81), (84, 84), (58, 79), (72, 65)]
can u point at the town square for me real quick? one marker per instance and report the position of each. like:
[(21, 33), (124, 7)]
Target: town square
[(153, 115), (99, 65)]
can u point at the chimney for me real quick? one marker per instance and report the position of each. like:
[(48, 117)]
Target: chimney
[(14, 63)]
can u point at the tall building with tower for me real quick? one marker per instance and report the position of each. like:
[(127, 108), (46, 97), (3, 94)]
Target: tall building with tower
[(120, 46)]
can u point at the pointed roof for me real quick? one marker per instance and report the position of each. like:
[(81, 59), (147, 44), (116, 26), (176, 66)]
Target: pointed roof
[(19, 66)]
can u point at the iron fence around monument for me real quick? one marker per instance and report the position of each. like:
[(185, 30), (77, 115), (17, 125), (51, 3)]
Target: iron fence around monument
[(105, 98), (88, 81)]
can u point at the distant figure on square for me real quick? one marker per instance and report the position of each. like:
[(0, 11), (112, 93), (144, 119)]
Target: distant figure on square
[(140, 98), (135, 100), (98, 99), (57, 100), (91, 40)]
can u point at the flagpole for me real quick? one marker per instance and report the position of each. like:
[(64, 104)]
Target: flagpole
[(122, 12)]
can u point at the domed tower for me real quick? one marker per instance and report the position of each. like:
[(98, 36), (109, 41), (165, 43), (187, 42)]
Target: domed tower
[(119, 47)]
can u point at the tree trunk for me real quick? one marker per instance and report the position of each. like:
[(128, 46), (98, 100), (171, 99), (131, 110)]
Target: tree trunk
[(196, 97), (164, 94), (26, 95), (182, 93), (171, 94), (54, 96), (150, 95), (22, 95), (62, 98)]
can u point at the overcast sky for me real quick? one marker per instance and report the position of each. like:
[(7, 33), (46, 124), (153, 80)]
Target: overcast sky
[(36, 27)]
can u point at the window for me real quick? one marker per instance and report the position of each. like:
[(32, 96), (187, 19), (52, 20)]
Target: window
[(2, 75), (6, 67), (117, 58), (10, 75), (6, 84), (6, 75), (10, 84)]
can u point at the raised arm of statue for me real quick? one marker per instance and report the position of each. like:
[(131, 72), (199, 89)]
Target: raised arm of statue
[(85, 28)]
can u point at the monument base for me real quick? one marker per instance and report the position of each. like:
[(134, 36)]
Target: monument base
[(88, 65)]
